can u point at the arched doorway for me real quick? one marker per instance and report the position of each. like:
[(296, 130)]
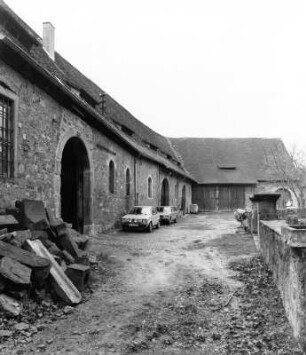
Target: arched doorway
[(75, 185), (183, 201), (164, 201), (285, 199)]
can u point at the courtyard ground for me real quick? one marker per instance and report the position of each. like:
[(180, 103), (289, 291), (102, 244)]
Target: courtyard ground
[(195, 287)]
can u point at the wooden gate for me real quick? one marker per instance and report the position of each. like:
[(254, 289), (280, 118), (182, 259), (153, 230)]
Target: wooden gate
[(231, 197), (219, 197)]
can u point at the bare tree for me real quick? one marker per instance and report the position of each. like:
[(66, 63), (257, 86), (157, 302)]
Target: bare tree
[(289, 168)]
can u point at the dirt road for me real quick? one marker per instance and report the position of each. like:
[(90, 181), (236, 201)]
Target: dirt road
[(157, 293)]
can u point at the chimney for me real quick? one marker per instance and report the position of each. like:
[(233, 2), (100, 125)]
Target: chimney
[(48, 39)]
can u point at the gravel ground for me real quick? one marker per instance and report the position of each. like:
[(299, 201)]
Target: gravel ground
[(197, 287)]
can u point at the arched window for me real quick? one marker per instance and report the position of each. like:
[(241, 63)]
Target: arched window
[(176, 191), (150, 187), (111, 177), (127, 182)]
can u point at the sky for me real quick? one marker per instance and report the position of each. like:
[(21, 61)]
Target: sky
[(196, 68)]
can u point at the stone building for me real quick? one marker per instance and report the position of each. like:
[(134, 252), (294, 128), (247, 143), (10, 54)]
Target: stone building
[(229, 171), (65, 141)]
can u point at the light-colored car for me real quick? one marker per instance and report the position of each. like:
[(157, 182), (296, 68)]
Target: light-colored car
[(141, 218), (168, 214)]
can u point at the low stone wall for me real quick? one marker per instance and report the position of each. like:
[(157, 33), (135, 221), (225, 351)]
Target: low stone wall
[(284, 251)]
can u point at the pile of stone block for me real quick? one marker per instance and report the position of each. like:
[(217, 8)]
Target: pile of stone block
[(38, 252)]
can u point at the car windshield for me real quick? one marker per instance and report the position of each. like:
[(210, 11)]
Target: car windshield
[(140, 210), (160, 209)]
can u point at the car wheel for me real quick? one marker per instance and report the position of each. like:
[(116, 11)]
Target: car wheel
[(158, 225), (150, 228)]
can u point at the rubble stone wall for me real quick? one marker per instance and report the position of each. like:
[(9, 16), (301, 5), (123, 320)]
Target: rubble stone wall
[(43, 129), (288, 265), (38, 130)]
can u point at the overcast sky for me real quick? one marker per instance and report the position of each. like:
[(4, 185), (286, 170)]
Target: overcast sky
[(197, 68)]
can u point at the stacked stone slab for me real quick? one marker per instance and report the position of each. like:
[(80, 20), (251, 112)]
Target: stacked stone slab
[(36, 251)]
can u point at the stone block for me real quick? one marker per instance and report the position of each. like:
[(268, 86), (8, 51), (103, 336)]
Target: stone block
[(67, 243), (80, 239), (68, 257), (15, 272), (54, 222), (19, 237), (31, 212), (63, 265), (40, 234), (295, 238), (23, 256), (79, 275), (9, 222), (3, 231), (57, 259), (62, 285), (7, 237), (10, 305), (41, 225), (60, 228), (84, 259), (55, 250)]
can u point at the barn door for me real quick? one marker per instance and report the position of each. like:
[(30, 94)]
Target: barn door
[(231, 197), (210, 198)]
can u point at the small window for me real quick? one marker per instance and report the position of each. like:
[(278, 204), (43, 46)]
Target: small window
[(227, 166), (111, 177), (127, 182), (150, 187), (6, 137)]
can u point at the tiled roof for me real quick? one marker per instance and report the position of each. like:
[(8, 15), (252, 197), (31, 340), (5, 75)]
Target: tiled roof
[(73, 79), (230, 160), (113, 110)]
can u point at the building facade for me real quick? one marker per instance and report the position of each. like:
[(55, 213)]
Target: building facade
[(88, 163), (229, 170)]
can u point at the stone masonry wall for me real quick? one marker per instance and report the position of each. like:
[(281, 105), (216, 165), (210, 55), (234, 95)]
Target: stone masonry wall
[(144, 170), (38, 130), (43, 129), (288, 264)]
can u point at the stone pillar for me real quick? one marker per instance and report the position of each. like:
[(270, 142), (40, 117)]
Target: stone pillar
[(263, 208)]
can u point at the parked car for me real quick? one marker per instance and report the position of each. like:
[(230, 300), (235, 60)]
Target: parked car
[(141, 218), (168, 214)]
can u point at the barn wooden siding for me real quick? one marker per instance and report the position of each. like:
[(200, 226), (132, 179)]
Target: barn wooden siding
[(219, 197)]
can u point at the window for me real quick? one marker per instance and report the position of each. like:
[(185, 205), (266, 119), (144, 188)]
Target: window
[(111, 177), (6, 137), (150, 187), (127, 182)]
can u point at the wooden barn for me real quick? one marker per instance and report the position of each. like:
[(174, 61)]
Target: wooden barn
[(229, 170)]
